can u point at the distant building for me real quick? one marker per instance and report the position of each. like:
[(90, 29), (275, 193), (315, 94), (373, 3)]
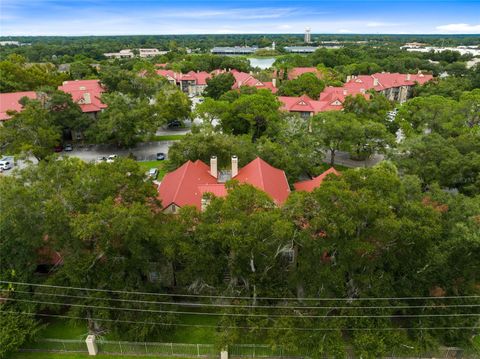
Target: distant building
[(301, 49), (308, 36), (395, 87), (122, 54), (10, 102), (237, 50), (9, 43), (189, 184), (128, 53), (194, 83)]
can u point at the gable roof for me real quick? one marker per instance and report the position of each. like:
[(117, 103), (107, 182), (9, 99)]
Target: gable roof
[(305, 104), (310, 185), (181, 186), (267, 178), (187, 184), (10, 102), (86, 93)]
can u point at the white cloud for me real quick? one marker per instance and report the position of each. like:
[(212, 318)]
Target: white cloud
[(381, 24), (460, 28), (344, 31)]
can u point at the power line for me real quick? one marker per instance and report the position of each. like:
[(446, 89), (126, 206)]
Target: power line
[(211, 305), (236, 327), (233, 297), (246, 314)]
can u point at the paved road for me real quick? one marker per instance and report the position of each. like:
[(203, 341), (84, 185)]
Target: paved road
[(145, 151), (343, 158)]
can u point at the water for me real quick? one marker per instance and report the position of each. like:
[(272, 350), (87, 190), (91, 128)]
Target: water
[(262, 63)]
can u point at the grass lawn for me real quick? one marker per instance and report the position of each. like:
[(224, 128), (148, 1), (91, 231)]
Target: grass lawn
[(64, 329), (193, 335), (160, 165)]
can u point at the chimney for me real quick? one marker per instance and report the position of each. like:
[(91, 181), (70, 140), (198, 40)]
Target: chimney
[(274, 82), (345, 92), (213, 166), (86, 98), (375, 81), (250, 72), (362, 91), (408, 77), (349, 78), (234, 166)]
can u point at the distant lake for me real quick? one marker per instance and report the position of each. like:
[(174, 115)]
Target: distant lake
[(263, 62)]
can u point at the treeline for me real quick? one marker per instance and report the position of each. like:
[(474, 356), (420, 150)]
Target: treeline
[(48, 48)]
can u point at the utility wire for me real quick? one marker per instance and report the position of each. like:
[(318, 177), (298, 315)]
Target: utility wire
[(245, 314), (211, 305), (236, 327), (233, 297)]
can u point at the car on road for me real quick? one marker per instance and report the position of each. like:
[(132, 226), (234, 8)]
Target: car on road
[(111, 158), (68, 147), (153, 173), (6, 164), (101, 159), (161, 156), (174, 124)]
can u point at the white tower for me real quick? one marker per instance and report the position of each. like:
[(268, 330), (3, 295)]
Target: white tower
[(308, 36), (273, 45)]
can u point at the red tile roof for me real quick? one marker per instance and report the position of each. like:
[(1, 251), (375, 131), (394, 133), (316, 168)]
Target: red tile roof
[(306, 104), (269, 179), (181, 186), (310, 185), (86, 93), (188, 183), (9, 102), (200, 77), (298, 71)]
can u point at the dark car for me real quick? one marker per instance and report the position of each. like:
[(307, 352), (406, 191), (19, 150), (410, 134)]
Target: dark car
[(68, 147), (160, 156), (174, 124), (58, 148)]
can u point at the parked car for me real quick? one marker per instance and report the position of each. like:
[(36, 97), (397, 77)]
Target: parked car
[(161, 156), (58, 148), (6, 164), (68, 147), (153, 173), (200, 100), (111, 158), (174, 124)]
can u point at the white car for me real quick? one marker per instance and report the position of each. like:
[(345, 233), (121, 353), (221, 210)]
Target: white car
[(111, 158), (6, 165)]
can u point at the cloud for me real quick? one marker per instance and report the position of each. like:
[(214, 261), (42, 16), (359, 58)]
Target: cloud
[(344, 31), (460, 28), (381, 24)]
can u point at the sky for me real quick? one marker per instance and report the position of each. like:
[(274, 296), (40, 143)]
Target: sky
[(159, 17)]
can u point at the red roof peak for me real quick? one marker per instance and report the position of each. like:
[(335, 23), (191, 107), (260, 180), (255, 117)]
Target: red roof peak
[(310, 185)]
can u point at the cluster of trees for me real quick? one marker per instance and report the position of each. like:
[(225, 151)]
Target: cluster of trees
[(16, 75), (368, 233), (442, 144), (64, 49)]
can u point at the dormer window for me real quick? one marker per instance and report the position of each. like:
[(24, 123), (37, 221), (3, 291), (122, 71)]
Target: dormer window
[(336, 103), (358, 80), (302, 103)]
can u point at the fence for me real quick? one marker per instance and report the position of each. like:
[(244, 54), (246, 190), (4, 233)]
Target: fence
[(208, 350)]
